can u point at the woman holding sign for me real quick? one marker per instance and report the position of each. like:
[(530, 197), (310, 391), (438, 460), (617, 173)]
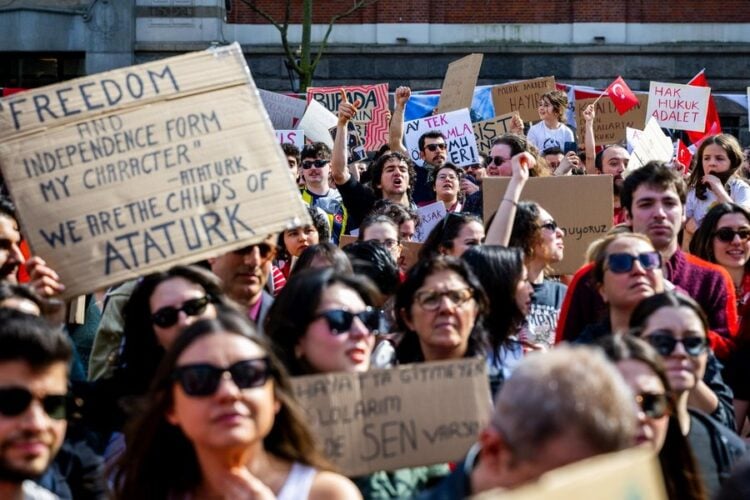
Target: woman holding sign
[(221, 422)]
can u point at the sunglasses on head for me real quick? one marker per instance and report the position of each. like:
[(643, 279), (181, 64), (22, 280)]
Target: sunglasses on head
[(340, 321), (264, 249), (653, 405), (499, 160), (168, 316), (202, 379), (434, 147), (665, 343), (15, 400), (315, 163), (623, 262), (726, 234)]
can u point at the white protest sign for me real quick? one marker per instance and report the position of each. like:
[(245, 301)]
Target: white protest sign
[(430, 216), (316, 122), (285, 112), (131, 171), (296, 137), (676, 106), (631, 136), (456, 127), (652, 144)]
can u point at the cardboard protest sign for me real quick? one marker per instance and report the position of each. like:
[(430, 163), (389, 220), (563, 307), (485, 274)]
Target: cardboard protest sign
[(582, 205), (629, 474), (609, 126), (486, 131), (355, 147), (285, 112), (123, 173), (681, 107), (522, 96), (296, 137), (429, 216), (457, 129), (372, 116), (459, 83), (391, 419), (317, 123), (651, 144)]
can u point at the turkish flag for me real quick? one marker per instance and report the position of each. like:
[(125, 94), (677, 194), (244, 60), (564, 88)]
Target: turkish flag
[(713, 125), (622, 97), (683, 155)]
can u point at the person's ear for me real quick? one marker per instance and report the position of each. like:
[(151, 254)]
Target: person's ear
[(171, 416), (406, 317)]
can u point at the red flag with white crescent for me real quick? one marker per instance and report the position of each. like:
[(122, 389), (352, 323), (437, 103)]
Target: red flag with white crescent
[(621, 96)]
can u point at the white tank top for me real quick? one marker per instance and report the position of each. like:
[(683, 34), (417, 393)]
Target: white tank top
[(298, 483)]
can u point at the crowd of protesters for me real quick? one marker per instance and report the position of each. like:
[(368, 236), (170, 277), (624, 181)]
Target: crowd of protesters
[(177, 384)]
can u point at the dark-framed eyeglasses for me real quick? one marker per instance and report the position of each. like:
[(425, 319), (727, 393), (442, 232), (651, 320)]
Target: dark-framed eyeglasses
[(653, 405), (665, 343), (202, 379), (499, 160), (16, 400), (727, 234), (430, 300), (265, 250), (308, 164), (620, 263), (340, 320), (168, 316), (434, 147)]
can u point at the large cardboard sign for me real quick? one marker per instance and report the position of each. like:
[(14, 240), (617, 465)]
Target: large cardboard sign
[(429, 216), (676, 106), (651, 144), (609, 126), (459, 83), (629, 474), (285, 112), (126, 172), (390, 419), (455, 126), (580, 204), (372, 116), (317, 123), (522, 96), (486, 131)]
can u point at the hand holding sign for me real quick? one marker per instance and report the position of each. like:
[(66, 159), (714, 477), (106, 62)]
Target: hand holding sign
[(347, 110)]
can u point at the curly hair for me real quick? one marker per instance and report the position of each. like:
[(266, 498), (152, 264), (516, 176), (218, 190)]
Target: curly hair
[(376, 172)]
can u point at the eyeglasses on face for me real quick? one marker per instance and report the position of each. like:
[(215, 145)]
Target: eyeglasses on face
[(308, 164), (430, 300), (16, 400), (499, 160), (653, 405), (340, 320), (168, 316), (665, 343), (265, 250), (727, 234), (619, 263), (434, 147), (202, 379)]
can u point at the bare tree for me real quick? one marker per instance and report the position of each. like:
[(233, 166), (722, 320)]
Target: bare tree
[(304, 62)]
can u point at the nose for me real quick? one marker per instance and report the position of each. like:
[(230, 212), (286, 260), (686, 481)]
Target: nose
[(358, 329), (227, 389), (679, 351), (252, 258), (35, 418)]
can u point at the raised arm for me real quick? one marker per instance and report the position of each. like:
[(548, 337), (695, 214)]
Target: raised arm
[(502, 225), (347, 111), (589, 115), (396, 130)]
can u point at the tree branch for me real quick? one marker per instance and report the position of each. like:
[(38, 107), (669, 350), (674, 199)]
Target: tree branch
[(359, 4), (283, 29)]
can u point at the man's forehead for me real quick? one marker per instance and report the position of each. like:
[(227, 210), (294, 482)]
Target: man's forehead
[(51, 378), (395, 162), (433, 140), (650, 191), (615, 152)]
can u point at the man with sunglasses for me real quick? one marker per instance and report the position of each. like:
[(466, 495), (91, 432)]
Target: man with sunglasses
[(318, 192), (654, 197), (33, 401)]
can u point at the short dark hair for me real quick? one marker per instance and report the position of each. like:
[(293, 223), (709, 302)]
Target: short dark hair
[(656, 174), (554, 150), (399, 213), (373, 260), (376, 172), (447, 165), (327, 250), (431, 134), (13, 290), (291, 150), (316, 150), (32, 339), (8, 208)]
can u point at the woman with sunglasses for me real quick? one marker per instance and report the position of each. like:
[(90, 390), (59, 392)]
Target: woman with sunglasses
[(658, 427), (455, 234), (676, 326), (221, 422), (527, 225), (438, 310)]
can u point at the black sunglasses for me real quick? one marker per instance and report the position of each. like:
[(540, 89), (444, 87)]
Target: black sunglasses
[(653, 405), (726, 234), (307, 165), (665, 344), (340, 321), (434, 147), (264, 249), (15, 400), (549, 225), (168, 316), (620, 263), (202, 379), (499, 160)]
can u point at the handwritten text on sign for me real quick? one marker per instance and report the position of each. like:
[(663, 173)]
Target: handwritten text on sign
[(457, 129), (390, 419), (521, 97), (681, 107), (104, 198)]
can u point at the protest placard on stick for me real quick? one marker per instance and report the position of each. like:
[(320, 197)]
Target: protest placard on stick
[(609, 126), (459, 83), (651, 144), (681, 107), (295, 137), (391, 419), (522, 97), (119, 174), (284, 111), (485, 131), (457, 129)]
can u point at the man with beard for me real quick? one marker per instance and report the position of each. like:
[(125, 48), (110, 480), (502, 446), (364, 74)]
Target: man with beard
[(33, 386), (613, 160)]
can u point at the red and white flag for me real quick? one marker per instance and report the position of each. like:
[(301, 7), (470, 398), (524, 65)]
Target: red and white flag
[(713, 125), (683, 154), (622, 97)]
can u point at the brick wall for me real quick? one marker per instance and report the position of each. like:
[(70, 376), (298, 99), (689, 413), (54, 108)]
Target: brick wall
[(489, 11)]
